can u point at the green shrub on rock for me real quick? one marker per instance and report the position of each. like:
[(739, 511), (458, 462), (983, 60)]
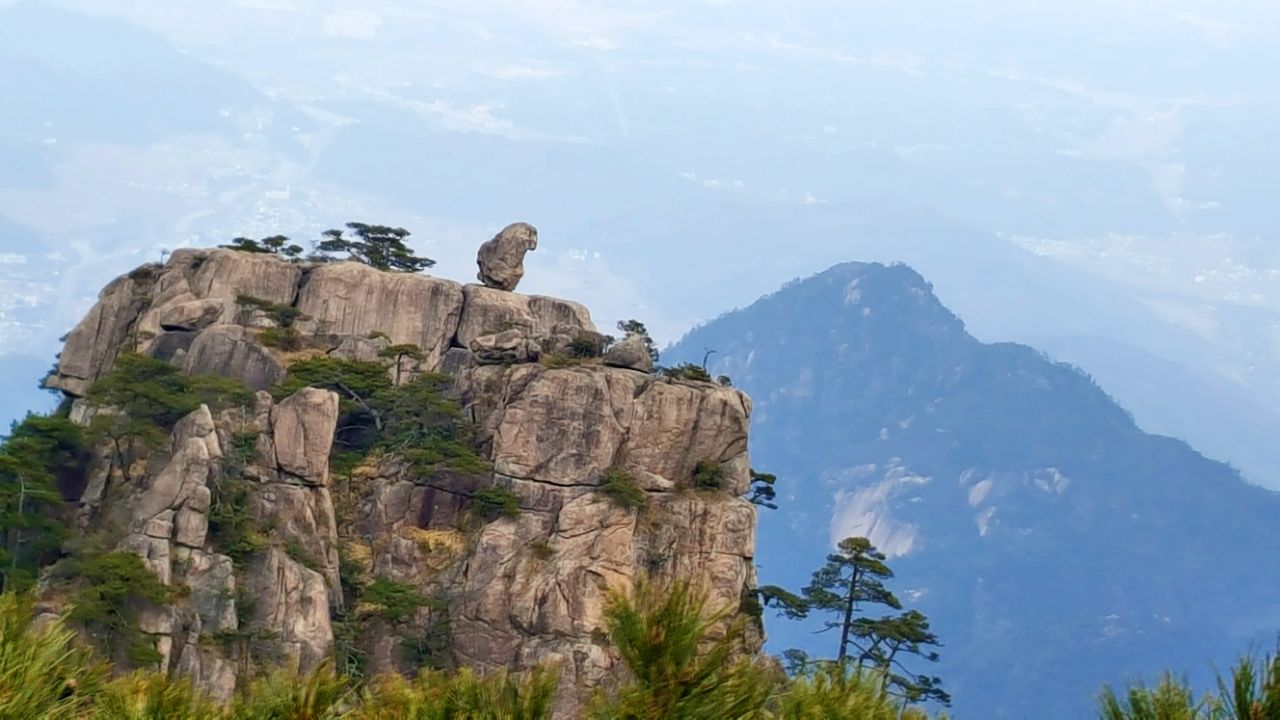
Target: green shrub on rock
[(395, 601), (495, 502), (111, 589), (708, 475), (622, 488), (686, 371)]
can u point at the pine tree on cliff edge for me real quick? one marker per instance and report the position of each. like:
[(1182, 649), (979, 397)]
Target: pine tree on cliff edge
[(378, 246)]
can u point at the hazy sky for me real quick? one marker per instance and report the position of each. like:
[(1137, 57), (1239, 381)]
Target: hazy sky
[(1093, 177)]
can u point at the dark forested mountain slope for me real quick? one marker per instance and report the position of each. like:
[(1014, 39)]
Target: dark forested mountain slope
[(1055, 544)]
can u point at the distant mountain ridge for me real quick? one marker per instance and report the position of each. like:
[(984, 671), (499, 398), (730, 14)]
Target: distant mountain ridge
[(1055, 544)]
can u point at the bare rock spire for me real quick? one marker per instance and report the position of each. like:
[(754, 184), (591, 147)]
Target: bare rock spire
[(501, 259)]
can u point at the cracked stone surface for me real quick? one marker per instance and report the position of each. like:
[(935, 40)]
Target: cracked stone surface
[(515, 591)]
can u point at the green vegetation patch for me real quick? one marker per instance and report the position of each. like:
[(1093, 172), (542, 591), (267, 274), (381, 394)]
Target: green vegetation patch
[(232, 526), (111, 588), (494, 502), (395, 601), (42, 463), (708, 475), (686, 371), (416, 420), (622, 488)]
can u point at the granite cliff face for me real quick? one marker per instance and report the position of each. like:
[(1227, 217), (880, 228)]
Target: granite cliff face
[(512, 592)]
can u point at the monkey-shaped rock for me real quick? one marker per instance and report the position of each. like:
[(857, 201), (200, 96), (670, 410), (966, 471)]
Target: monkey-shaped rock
[(501, 259)]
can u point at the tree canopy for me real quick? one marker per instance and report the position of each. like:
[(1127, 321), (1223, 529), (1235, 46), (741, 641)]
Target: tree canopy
[(851, 582), (275, 244), (635, 327), (39, 454), (379, 246)]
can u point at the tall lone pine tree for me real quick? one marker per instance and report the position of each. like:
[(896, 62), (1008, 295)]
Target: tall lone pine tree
[(853, 580)]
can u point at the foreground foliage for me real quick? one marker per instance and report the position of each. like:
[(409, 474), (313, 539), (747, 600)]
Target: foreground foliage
[(682, 660), (831, 691), (679, 671), (685, 663), (45, 673), (1250, 692), (440, 696)]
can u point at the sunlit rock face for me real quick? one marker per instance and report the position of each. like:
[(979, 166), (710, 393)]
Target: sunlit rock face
[(512, 591)]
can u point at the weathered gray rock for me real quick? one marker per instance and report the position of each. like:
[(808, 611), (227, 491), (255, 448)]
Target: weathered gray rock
[(486, 311), (234, 352), (190, 315), (457, 360), (170, 345), (568, 339), (501, 259), (302, 428), (568, 426), (631, 353), (92, 346), (212, 581), (194, 446), (550, 312), (154, 551), (190, 527), (520, 608), (225, 275), (348, 298), (508, 346), (362, 349), (302, 517), (556, 426), (517, 591), (292, 602), (208, 671), (200, 288)]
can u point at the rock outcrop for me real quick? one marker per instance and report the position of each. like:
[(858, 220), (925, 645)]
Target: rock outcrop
[(631, 353), (204, 310), (354, 300), (165, 516), (275, 586), (501, 259)]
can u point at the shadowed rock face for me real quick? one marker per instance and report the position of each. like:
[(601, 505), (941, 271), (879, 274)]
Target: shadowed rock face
[(501, 260), (512, 592)]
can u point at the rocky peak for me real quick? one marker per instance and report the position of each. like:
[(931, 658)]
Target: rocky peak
[(283, 557)]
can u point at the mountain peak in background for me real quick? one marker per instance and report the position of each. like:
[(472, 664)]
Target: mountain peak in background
[(1051, 540)]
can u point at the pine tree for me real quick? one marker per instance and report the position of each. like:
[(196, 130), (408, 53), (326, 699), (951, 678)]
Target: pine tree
[(275, 244), (762, 492), (852, 578), (378, 246), (886, 640), (36, 454), (635, 327), (399, 353)]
